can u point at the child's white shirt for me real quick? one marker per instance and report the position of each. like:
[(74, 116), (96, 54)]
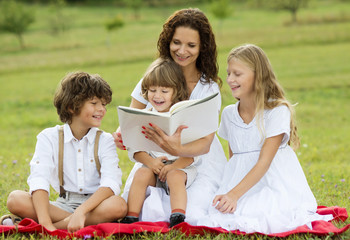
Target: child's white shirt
[(79, 167)]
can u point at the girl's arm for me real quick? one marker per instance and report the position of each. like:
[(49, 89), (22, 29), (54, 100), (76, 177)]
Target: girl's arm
[(77, 219), (155, 164), (118, 140), (41, 206), (182, 162), (172, 144), (227, 203), (179, 163)]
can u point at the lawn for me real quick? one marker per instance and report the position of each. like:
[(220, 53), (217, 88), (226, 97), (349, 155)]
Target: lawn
[(311, 62)]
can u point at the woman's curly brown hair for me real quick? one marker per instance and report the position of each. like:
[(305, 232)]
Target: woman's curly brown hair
[(196, 20), (76, 88)]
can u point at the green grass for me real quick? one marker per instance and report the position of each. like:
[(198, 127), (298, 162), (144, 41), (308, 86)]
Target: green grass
[(311, 62)]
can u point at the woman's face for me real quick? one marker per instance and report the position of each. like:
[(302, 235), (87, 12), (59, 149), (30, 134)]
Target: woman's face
[(185, 46)]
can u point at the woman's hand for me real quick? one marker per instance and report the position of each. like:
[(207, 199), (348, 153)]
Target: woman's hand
[(118, 139), (170, 144), (225, 203)]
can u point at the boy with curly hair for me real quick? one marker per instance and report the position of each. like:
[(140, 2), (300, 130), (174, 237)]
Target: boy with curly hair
[(77, 159)]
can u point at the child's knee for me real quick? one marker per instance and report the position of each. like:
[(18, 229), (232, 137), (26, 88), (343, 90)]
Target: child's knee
[(118, 208), (176, 177), (143, 174), (15, 200)]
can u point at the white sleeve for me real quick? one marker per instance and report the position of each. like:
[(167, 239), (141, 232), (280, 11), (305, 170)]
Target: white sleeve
[(278, 122), (131, 152), (111, 174), (42, 164), (224, 124)]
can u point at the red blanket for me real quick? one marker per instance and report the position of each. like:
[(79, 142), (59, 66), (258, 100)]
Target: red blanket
[(107, 229)]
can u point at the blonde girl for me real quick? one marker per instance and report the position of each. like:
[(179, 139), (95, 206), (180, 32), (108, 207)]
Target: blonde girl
[(263, 188)]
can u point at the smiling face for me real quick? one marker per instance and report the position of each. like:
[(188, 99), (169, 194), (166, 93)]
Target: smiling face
[(185, 46), (91, 113), (240, 78), (161, 98)]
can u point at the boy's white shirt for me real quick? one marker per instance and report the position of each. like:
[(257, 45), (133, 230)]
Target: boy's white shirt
[(79, 167)]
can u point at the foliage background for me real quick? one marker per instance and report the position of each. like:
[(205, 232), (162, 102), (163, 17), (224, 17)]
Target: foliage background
[(311, 59)]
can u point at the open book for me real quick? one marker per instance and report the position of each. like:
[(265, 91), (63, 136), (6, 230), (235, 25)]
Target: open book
[(201, 116)]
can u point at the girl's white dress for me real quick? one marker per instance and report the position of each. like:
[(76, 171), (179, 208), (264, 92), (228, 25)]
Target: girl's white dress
[(282, 199), (210, 168)]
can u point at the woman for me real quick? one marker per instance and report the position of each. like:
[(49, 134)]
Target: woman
[(187, 38)]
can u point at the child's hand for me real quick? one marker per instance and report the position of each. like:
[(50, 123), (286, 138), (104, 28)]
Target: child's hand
[(164, 172), (76, 222), (157, 164), (225, 203)]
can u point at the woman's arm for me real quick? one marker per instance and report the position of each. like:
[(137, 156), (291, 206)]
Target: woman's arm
[(118, 140), (227, 203), (137, 104), (172, 144)]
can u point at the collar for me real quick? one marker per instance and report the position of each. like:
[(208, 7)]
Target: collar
[(68, 135)]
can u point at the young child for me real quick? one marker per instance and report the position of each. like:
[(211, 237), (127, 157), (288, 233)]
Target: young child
[(163, 85), (263, 188), (89, 180)]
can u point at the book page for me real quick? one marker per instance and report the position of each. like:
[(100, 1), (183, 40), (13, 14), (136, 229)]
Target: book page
[(180, 105), (131, 123), (201, 116), (186, 103)]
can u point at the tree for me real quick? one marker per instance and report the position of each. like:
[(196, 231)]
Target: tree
[(221, 10), (135, 5), (15, 18), (58, 21), (114, 24), (292, 6)]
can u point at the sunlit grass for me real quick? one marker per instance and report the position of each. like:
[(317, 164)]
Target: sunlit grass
[(311, 62)]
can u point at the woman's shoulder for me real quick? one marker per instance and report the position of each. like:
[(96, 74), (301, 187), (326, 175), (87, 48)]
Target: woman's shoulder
[(204, 89)]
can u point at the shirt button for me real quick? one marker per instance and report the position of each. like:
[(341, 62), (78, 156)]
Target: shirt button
[(91, 160), (79, 150), (79, 169), (37, 162), (80, 189)]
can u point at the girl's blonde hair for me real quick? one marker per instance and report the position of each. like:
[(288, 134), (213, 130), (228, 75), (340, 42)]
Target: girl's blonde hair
[(269, 93), (164, 72)]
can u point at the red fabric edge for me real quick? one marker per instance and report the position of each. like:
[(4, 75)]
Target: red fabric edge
[(106, 229)]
